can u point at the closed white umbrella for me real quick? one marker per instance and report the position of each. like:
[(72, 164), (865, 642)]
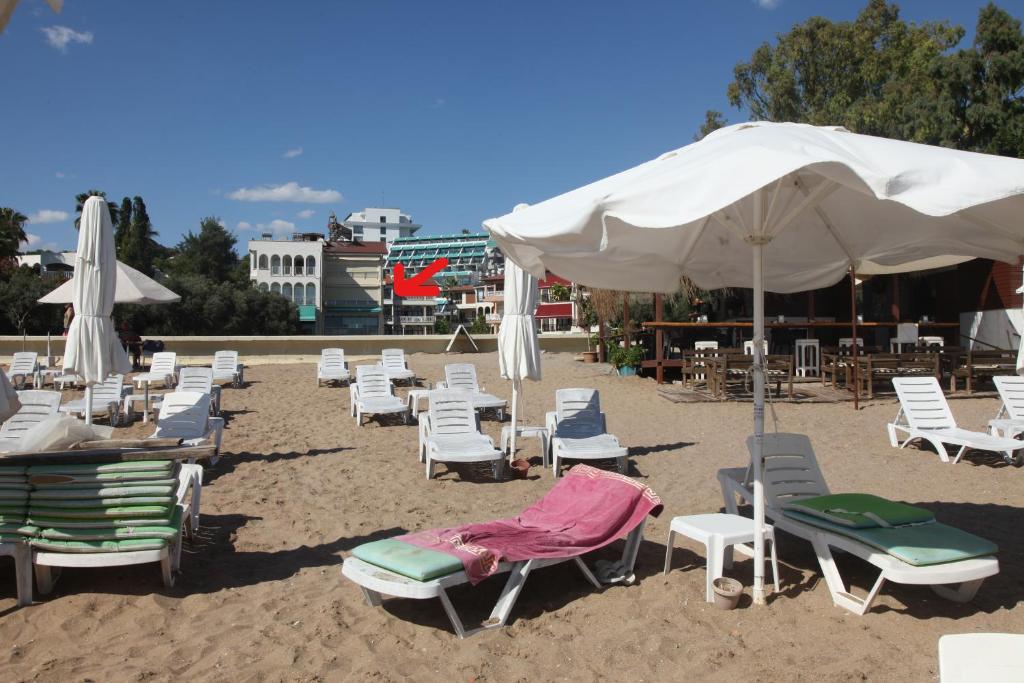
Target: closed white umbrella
[(775, 206), (93, 350), (518, 350), (9, 403), (130, 287)]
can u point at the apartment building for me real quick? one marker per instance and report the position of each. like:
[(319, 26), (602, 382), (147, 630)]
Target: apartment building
[(380, 225)]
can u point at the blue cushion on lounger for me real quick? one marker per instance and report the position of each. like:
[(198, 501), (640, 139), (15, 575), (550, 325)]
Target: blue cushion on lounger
[(408, 560)]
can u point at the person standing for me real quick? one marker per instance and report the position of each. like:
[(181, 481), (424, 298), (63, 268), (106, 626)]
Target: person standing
[(69, 315)]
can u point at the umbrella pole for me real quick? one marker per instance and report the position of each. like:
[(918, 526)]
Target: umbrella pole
[(758, 590), (88, 404), (515, 418), (853, 325)]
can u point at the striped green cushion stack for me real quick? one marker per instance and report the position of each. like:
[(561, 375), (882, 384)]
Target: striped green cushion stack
[(114, 507), (14, 494)]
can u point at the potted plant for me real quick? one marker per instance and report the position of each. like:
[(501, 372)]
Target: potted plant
[(625, 361), (590, 355)]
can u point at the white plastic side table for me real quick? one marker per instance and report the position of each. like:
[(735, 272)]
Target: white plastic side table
[(718, 532), (528, 433)]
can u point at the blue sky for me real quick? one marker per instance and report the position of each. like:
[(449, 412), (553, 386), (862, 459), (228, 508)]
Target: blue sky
[(274, 114)]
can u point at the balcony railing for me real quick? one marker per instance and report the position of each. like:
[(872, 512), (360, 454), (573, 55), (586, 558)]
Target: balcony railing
[(416, 319), (350, 303), (493, 318)]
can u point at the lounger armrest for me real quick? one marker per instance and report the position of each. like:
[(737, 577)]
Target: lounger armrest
[(216, 431), (424, 428), (551, 422)]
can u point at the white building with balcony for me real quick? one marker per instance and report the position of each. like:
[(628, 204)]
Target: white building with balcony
[(380, 225), (292, 268)]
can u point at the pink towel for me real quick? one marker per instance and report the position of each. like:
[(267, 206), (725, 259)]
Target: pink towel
[(586, 510)]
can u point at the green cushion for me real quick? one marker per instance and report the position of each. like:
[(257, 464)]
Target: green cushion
[(166, 532), (113, 511), (9, 497), (860, 510), (12, 470), (100, 492), (916, 544), (18, 530), (408, 560), (97, 468), (102, 502), (96, 479), (104, 523), (52, 546)]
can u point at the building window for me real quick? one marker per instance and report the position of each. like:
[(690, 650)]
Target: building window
[(357, 231), (275, 265), (383, 219), (383, 238), (286, 291), (264, 287), (263, 262), (311, 295), (310, 265), (287, 265), (276, 287), (298, 265)]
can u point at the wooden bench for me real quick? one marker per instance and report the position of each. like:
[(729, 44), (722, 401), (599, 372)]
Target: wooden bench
[(884, 366), (983, 365)]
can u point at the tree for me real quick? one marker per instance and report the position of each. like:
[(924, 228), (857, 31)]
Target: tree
[(479, 325), (80, 204), (713, 120), (211, 253), (559, 292), (12, 232), (124, 221), (138, 247), (19, 296), (442, 326)]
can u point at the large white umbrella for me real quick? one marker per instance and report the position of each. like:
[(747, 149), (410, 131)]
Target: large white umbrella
[(130, 287), (775, 206), (93, 350), (518, 350)]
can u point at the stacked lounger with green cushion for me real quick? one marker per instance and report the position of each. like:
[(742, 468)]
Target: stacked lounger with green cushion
[(908, 533), (14, 495), (96, 508)]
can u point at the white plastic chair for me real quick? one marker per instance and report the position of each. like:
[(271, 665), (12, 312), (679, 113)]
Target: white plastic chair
[(393, 361), (924, 414), (748, 347), (374, 394), (36, 406), (106, 400), (450, 432), (162, 370), (24, 366), (906, 338), (579, 430), (227, 368), (808, 355), (332, 367), (462, 376)]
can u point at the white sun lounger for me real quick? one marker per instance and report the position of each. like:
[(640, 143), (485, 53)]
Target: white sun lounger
[(201, 380), (791, 472), (36, 406), (579, 430), (374, 394), (988, 657), (924, 414), (23, 368), (376, 582), (332, 367), (106, 400), (227, 368), (462, 376), (162, 370), (1009, 421), (450, 432), (393, 361)]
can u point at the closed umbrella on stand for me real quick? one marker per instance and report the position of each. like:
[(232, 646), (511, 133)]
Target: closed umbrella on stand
[(518, 350), (93, 350)]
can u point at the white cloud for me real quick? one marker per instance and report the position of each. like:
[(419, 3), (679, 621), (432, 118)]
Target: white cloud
[(767, 4), (306, 213), (59, 174), (437, 103), (289, 192), (59, 37), (292, 153), (276, 225), (48, 216), (35, 242), (243, 225)]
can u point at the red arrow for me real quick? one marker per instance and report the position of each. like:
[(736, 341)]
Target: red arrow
[(417, 284)]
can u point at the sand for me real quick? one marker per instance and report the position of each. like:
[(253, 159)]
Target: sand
[(261, 596)]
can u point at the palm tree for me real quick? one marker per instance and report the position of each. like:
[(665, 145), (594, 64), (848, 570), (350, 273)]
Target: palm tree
[(12, 232), (80, 203)]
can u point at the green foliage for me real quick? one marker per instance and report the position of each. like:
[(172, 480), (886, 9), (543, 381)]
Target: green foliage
[(621, 357), (559, 292), (20, 290), (479, 326), (137, 246), (211, 253), (12, 232), (879, 75), (442, 326), (124, 222), (713, 120)]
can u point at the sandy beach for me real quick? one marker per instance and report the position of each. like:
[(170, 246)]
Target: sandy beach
[(261, 596)]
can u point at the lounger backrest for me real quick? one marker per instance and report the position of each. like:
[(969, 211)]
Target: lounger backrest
[(195, 379), (225, 362), (164, 362), (1011, 390), (184, 415), (393, 359), (451, 412), (372, 381), (109, 391), (22, 363), (578, 412), (790, 469), (36, 406), (923, 403), (461, 376)]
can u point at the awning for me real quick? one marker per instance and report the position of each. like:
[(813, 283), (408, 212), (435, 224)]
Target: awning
[(307, 314), (558, 310)]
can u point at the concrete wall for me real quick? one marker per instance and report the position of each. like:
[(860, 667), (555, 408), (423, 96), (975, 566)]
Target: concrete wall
[(260, 350)]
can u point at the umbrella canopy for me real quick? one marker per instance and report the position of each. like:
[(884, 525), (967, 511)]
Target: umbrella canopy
[(130, 287), (778, 206), (93, 349), (9, 403)]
